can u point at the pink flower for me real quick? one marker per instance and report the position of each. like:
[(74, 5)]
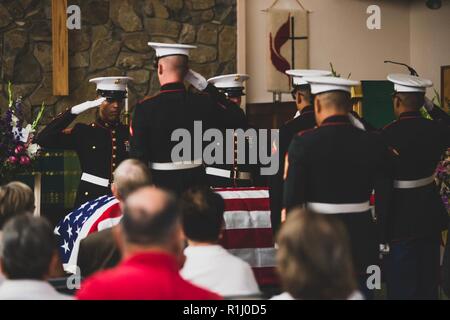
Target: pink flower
[(19, 150), (25, 160), (12, 160)]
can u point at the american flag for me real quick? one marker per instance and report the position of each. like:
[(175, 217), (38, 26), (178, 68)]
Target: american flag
[(248, 232), (93, 216)]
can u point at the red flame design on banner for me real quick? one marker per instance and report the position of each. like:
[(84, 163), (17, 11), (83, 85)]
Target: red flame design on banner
[(281, 37)]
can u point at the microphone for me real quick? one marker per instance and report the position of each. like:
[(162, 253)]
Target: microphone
[(411, 70)]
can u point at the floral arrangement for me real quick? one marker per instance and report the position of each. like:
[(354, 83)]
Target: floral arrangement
[(17, 150)]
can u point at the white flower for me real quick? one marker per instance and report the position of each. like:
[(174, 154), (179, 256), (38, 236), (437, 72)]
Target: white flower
[(26, 133), (32, 150), (23, 135)]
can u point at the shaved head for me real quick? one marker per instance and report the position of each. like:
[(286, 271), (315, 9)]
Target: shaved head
[(333, 103), (339, 100), (177, 65), (302, 96), (412, 100)]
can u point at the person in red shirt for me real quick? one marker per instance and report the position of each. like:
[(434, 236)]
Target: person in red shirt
[(151, 242)]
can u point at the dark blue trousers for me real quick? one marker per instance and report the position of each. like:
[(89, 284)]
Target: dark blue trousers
[(412, 269)]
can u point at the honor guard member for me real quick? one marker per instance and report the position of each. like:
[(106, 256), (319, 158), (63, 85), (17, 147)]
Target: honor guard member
[(235, 174), (156, 119), (334, 168), (413, 230), (227, 92), (101, 146), (304, 121)]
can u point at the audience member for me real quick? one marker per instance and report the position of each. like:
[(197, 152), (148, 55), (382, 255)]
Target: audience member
[(208, 264), (28, 256), (15, 198), (314, 259), (99, 251)]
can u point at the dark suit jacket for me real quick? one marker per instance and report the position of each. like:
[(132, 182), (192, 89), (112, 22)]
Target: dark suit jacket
[(97, 252)]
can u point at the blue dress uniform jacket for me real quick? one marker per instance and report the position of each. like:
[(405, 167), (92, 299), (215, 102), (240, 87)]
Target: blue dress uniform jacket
[(338, 163), (100, 147), (418, 145), (288, 131), (239, 174), (154, 121)]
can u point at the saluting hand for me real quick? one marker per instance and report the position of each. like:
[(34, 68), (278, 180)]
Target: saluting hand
[(196, 80), (86, 106)]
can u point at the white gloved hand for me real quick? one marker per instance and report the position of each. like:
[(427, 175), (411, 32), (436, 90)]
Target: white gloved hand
[(78, 109), (356, 122), (429, 105), (197, 80)]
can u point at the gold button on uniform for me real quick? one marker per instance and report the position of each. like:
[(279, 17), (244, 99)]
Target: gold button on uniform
[(86, 193), (94, 147)]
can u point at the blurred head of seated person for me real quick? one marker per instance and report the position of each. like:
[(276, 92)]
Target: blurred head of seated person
[(407, 102), (28, 256), (15, 198), (129, 176), (208, 264), (99, 250), (314, 259), (151, 243)]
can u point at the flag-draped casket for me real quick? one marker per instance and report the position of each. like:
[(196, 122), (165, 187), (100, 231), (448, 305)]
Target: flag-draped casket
[(247, 234)]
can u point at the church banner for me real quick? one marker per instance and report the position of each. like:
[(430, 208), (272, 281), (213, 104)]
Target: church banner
[(287, 46)]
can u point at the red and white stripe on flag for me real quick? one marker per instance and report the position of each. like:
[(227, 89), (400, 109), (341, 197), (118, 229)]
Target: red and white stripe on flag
[(248, 230)]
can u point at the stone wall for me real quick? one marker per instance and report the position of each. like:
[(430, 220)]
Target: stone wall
[(112, 41)]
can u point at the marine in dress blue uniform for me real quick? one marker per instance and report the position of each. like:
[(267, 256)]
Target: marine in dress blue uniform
[(334, 168), (229, 89), (413, 230), (304, 121), (156, 118), (101, 146)]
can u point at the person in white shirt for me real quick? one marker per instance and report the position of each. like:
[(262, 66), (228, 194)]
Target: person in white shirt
[(208, 264), (314, 260), (28, 256)]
